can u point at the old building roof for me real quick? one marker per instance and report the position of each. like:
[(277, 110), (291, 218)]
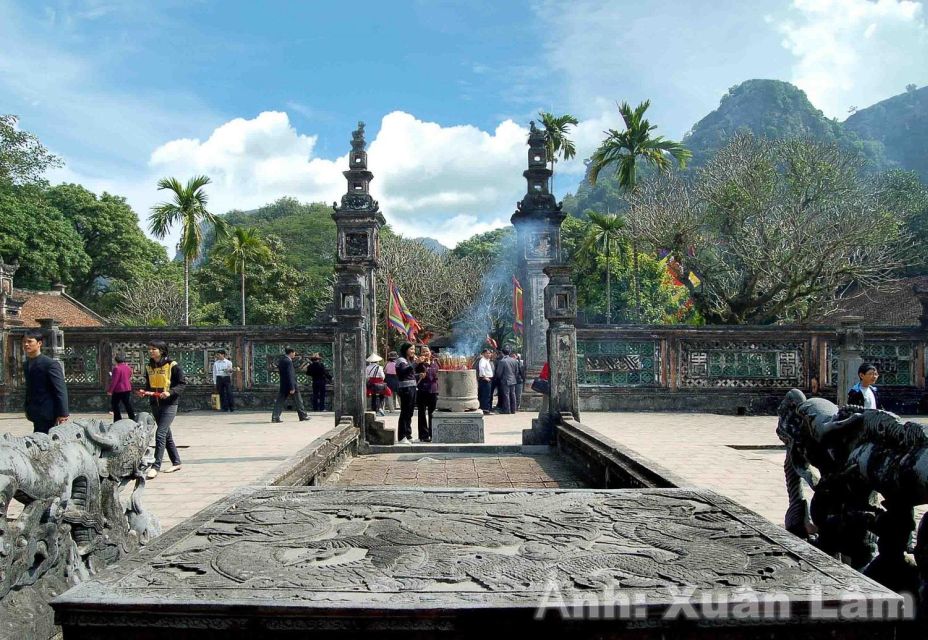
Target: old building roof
[(897, 306), (58, 305)]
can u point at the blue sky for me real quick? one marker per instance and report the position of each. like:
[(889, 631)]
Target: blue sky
[(262, 96)]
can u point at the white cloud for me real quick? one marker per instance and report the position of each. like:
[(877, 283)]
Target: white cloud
[(443, 182), (855, 52)]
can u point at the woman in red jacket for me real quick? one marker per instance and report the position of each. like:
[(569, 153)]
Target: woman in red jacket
[(120, 388)]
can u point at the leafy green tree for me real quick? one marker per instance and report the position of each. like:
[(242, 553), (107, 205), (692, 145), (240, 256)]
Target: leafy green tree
[(35, 234), (188, 208), (557, 144), (485, 246), (109, 230), (625, 148), (606, 234), (904, 195), (23, 159), (242, 247)]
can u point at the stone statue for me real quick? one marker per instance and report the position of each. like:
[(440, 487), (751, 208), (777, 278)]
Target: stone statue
[(850, 457), (73, 521)]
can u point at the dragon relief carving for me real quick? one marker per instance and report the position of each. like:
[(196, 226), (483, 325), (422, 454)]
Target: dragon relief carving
[(73, 521), (854, 477)]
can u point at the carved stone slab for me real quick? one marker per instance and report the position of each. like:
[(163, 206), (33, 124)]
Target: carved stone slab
[(274, 561), (457, 427)]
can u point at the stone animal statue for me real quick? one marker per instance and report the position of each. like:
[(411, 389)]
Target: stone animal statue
[(73, 521), (850, 457)]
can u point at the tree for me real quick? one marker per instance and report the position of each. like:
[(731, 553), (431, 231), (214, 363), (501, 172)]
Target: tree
[(773, 230), (556, 141), (23, 159), (111, 237), (240, 247), (36, 235), (188, 208), (606, 233), (625, 148)]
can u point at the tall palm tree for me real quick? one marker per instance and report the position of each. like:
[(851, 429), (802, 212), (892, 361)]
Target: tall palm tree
[(556, 141), (188, 207), (240, 247), (605, 232), (624, 149)]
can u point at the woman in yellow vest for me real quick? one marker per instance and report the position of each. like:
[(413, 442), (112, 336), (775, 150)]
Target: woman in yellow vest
[(164, 382)]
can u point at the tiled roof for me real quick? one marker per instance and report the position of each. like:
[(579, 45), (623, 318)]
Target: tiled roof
[(55, 304), (898, 307)]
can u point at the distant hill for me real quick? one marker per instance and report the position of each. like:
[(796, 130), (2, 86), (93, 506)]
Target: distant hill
[(432, 245), (900, 123), (776, 109)]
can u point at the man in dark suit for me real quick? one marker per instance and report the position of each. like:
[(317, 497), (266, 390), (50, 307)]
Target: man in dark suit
[(288, 387), (46, 393), (507, 370)]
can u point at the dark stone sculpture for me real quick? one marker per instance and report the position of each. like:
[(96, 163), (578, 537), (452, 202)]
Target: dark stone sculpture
[(848, 455), (73, 521)]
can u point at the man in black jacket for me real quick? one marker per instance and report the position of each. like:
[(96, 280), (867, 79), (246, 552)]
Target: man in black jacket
[(288, 387), (46, 393), (316, 371)]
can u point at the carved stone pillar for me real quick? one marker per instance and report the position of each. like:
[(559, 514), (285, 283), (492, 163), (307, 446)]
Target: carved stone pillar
[(921, 292), (350, 343), (538, 228), (54, 339), (561, 314), (850, 354)]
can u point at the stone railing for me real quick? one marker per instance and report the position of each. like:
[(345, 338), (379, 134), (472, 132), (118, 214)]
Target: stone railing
[(735, 369), (88, 359)]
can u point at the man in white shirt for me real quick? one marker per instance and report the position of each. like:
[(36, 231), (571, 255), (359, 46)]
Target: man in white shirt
[(485, 381), (864, 393), (222, 378)]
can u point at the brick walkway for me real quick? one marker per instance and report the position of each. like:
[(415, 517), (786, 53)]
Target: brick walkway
[(459, 470)]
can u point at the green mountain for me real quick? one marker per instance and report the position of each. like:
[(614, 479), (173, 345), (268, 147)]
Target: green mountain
[(769, 108), (900, 123)]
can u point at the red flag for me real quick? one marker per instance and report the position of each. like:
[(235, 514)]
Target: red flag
[(518, 321)]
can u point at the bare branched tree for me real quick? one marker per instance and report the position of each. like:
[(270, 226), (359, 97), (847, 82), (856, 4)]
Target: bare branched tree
[(436, 287), (150, 303), (774, 230)]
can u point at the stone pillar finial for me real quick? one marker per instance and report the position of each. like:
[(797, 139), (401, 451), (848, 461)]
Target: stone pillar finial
[(921, 292), (850, 354)]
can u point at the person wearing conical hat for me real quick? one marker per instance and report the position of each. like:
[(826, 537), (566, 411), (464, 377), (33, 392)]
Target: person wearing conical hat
[(376, 384)]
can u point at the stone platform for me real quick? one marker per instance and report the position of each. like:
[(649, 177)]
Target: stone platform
[(339, 562)]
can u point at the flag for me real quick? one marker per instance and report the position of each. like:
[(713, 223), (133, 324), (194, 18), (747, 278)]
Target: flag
[(491, 342), (694, 280), (518, 322), (398, 314)]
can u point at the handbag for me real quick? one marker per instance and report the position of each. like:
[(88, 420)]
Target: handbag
[(542, 386), (376, 388)]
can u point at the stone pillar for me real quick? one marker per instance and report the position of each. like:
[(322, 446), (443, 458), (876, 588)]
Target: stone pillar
[(537, 221), (54, 339), (358, 221), (350, 344), (561, 314), (850, 354)]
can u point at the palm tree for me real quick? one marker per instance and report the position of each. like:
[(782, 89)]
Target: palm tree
[(606, 231), (238, 248), (556, 141), (624, 149), (188, 207)]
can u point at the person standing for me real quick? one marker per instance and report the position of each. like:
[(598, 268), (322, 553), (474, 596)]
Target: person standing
[(120, 388), (316, 371), (485, 381), (392, 381), (520, 379), (376, 386), (289, 390), (164, 383), (406, 385), (222, 378), (507, 372), (426, 392), (864, 393), (46, 394)]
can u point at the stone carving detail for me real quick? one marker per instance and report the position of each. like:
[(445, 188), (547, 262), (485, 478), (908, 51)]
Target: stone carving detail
[(358, 202), (895, 361), (196, 358), (741, 365), (265, 356), (447, 548), (81, 363), (618, 363), (847, 455), (73, 521)]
